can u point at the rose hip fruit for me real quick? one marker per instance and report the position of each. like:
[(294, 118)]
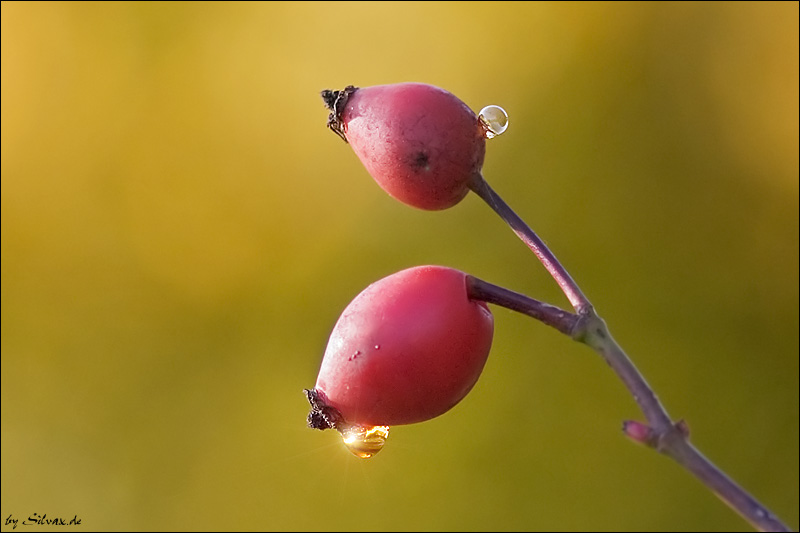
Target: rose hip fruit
[(419, 142), (407, 349)]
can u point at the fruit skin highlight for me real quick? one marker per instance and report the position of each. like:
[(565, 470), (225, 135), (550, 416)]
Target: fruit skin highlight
[(419, 142), (405, 350)]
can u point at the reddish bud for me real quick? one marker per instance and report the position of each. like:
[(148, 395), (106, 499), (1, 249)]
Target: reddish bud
[(638, 432)]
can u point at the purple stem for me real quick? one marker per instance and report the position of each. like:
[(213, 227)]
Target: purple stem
[(571, 290), (551, 315), (587, 327)]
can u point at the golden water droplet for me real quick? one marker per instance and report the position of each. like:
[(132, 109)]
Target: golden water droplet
[(365, 441), (494, 119)]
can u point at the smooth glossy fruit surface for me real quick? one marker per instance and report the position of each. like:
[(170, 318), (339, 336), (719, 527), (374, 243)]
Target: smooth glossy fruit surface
[(419, 142), (407, 349)]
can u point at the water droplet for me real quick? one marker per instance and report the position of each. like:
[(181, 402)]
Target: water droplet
[(494, 119), (377, 346), (365, 441)]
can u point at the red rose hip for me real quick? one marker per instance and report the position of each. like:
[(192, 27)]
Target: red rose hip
[(405, 350), (419, 142)]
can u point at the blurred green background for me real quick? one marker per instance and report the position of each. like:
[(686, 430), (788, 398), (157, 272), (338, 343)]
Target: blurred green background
[(180, 232)]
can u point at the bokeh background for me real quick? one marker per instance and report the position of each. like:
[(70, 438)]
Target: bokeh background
[(180, 232)]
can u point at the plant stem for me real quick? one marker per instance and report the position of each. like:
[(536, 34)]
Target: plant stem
[(594, 333), (671, 439), (724, 487), (551, 315), (571, 290)]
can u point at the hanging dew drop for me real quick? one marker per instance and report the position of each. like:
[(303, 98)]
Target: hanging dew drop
[(365, 441), (494, 120)]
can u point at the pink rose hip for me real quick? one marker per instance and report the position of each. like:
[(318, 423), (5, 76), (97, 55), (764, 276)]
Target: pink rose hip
[(419, 142), (405, 350)]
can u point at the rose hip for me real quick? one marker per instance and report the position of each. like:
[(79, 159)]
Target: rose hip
[(407, 349), (419, 142)]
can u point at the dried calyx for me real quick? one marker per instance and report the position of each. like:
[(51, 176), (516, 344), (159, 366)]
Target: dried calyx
[(335, 102)]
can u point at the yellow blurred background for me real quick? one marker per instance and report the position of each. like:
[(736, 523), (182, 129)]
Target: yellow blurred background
[(180, 232)]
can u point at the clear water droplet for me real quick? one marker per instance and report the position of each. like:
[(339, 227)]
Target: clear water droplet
[(377, 346), (494, 119), (365, 441)]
